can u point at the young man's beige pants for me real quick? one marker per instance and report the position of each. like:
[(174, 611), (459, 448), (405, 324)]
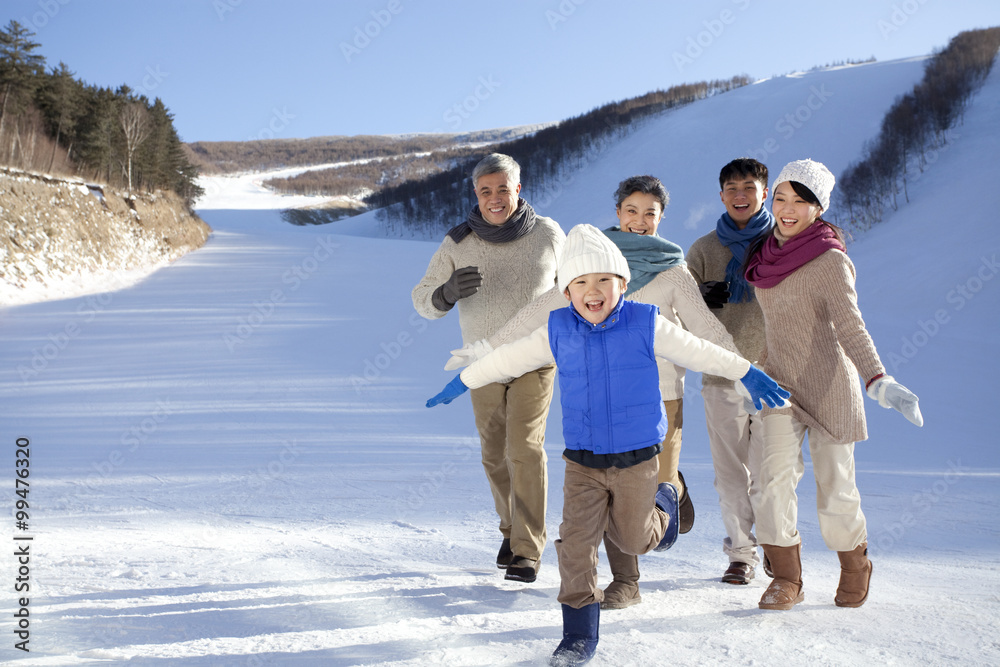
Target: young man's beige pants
[(729, 440)]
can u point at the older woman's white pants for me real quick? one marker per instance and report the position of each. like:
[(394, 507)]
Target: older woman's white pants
[(838, 501)]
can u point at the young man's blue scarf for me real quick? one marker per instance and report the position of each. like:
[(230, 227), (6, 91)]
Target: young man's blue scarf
[(646, 255), (737, 240)]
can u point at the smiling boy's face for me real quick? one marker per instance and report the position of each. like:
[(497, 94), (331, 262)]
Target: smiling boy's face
[(595, 295), (743, 197)]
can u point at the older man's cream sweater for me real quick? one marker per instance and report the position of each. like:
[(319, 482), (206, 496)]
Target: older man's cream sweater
[(514, 274)]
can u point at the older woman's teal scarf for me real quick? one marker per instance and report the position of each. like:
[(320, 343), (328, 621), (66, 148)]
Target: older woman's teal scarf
[(646, 255)]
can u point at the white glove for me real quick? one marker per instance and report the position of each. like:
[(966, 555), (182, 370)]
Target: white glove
[(891, 394), (466, 354)]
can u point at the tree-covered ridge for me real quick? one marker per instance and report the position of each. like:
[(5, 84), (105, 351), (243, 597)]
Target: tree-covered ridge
[(915, 128), (213, 157), (391, 171), (436, 200), (51, 121)]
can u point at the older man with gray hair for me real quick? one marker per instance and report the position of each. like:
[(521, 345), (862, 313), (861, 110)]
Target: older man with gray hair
[(499, 259)]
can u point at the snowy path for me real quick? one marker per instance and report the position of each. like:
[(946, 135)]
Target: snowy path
[(196, 504)]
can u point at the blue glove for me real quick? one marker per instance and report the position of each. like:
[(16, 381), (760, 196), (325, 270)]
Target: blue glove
[(763, 388), (453, 390)]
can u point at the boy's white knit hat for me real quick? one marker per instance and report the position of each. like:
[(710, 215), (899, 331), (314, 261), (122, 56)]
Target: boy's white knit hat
[(814, 175), (589, 250)]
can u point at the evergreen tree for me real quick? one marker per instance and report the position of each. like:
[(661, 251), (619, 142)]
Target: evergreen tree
[(60, 97), (20, 71)]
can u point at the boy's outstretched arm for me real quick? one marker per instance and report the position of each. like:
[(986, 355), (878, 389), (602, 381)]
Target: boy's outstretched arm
[(452, 390), (762, 388), (685, 349), (507, 361)]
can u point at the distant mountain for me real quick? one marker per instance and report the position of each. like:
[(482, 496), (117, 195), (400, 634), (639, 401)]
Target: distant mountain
[(227, 157), (399, 169)]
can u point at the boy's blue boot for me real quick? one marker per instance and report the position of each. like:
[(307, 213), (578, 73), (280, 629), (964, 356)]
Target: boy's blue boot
[(579, 635), (666, 500)]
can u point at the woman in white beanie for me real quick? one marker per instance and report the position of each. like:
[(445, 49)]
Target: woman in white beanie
[(659, 277), (816, 345), (605, 348)]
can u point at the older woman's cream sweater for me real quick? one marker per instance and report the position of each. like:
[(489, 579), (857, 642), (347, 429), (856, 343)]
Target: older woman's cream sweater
[(816, 346)]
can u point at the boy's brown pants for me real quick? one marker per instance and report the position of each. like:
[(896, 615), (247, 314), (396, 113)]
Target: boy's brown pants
[(619, 501)]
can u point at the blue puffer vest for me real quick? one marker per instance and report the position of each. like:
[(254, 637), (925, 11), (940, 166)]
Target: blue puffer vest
[(608, 381)]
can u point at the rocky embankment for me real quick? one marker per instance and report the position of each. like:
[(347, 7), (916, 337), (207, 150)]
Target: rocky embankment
[(63, 237)]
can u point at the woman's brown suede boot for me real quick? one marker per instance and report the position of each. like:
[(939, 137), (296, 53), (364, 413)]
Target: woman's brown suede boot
[(624, 590), (785, 590), (855, 575)]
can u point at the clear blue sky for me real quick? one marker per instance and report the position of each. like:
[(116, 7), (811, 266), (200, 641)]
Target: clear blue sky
[(242, 69)]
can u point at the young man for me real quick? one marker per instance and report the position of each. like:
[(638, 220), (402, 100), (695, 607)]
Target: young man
[(614, 421), (498, 260), (713, 259)]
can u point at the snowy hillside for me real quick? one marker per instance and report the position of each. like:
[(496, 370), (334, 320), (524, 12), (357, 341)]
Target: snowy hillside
[(826, 115), (231, 462)]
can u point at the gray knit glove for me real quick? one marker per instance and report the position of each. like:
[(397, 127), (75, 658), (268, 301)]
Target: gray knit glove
[(463, 283)]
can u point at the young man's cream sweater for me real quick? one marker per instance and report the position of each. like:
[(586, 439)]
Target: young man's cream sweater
[(707, 260)]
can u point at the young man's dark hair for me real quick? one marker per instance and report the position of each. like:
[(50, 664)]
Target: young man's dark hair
[(743, 166)]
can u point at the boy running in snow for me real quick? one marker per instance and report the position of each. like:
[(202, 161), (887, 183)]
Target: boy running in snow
[(605, 348)]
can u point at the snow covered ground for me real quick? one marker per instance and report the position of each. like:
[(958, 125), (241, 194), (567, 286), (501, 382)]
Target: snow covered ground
[(231, 462), (247, 191)]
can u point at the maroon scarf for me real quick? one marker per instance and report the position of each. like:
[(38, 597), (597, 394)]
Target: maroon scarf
[(774, 263)]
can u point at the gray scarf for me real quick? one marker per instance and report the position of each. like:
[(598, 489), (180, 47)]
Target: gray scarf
[(519, 224)]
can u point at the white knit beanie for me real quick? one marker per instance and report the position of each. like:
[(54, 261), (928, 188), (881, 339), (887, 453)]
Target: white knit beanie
[(588, 250), (814, 175)]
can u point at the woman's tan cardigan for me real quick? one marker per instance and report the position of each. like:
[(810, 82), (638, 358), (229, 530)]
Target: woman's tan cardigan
[(816, 346)]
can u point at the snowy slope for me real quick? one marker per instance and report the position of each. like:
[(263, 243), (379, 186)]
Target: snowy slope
[(231, 464), (825, 114), (246, 190)]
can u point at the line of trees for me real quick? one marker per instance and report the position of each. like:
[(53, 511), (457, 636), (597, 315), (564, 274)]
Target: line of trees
[(915, 128), (226, 157), (438, 201), (262, 155), (51, 121), (357, 179)]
